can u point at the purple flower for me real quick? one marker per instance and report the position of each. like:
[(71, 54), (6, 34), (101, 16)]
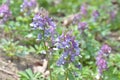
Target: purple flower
[(62, 60), (95, 15), (101, 58), (38, 22), (77, 18), (42, 22), (83, 9), (112, 15), (5, 13), (70, 48), (82, 26), (28, 5), (39, 37), (8, 2), (101, 63), (106, 49), (50, 22), (45, 24)]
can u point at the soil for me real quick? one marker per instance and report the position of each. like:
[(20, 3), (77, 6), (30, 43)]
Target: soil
[(9, 67)]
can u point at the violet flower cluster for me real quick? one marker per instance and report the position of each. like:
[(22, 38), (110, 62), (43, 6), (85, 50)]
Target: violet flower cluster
[(28, 5), (83, 9), (82, 26), (70, 48), (101, 58), (44, 24), (5, 13), (78, 17), (112, 15), (81, 14), (95, 14)]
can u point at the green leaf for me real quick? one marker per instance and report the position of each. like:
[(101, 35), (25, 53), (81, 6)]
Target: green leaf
[(71, 76), (37, 75), (29, 73), (23, 75)]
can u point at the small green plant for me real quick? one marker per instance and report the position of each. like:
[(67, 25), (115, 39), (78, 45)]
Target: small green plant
[(29, 75), (12, 48)]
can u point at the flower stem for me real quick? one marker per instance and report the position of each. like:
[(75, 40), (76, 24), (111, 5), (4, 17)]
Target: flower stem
[(66, 74), (47, 53)]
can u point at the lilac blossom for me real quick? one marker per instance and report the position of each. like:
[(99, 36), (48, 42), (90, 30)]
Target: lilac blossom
[(77, 18), (112, 15), (28, 5), (95, 15), (101, 63), (8, 2), (45, 24), (5, 13), (101, 58), (82, 26), (106, 49), (39, 37), (83, 9), (70, 48)]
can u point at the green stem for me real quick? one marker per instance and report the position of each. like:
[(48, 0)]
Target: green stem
[(47, 53), (66, 74), (49, 64)]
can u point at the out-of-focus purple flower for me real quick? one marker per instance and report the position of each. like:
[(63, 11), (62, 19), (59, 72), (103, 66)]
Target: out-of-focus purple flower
[(106, 49), (101, 58), (5, 13), (101, 63), (83, 9), (95, 15), (70, 47), (50, 22), (76, 18), (62, 60), (28, 5), (39, 37), (112, 15), (7, 2), (82, 26), (63, 41), (43, 23), (38, 22)]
